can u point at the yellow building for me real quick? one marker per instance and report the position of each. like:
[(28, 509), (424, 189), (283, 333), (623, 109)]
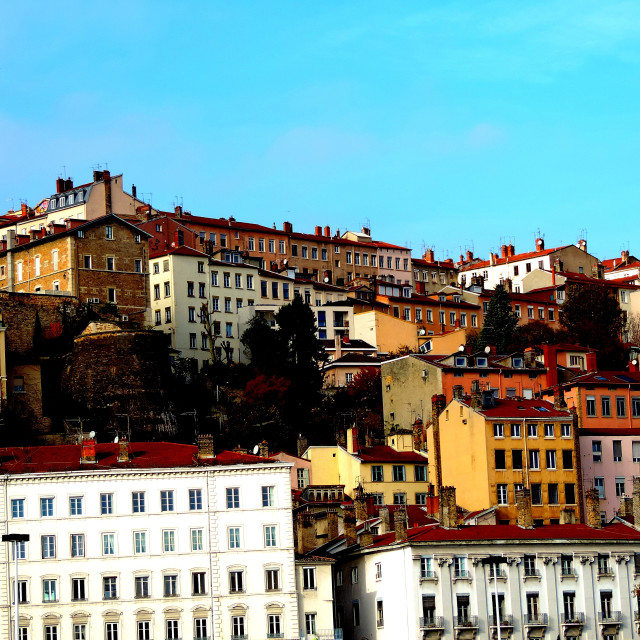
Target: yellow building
[(394, 473), (488, 448), (384, 331)]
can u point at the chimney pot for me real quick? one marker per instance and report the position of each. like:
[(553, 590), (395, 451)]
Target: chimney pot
[(504, 251), (327, 232), (318, 230)]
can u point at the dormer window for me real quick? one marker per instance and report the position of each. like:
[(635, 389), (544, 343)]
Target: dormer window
[(456, 298), (460, 361), (442, 298), (518, 363), (52, 203), (481, 361)]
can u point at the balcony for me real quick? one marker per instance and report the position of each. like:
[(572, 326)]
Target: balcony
[(506, 627), (461, 574), (465, 622), (568, 573), (505, 621), (531, 573), (427, 576), (275, 635), (536, 620), (244, 636), (610, 617), (500, 573), (432, 622), (574, 618)]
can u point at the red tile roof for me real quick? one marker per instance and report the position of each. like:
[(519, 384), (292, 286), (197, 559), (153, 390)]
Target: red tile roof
[(606, 378), (143, 455), (508, 408), (517, 258), (383, 453)]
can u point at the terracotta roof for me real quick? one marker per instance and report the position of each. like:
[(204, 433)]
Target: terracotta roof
[(143, 455), (180, 251), (386, 245), (513, 409), (607, 378), (437, 263), (517, 258), (383, 453)]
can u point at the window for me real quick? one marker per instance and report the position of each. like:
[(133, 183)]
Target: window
[(552, 490), (310, 623), (551, 459), (502, 494), (108, 544), (605, 405), (536, 493), (268, 496), (229, 330), (233, 498), (140, 542), (234, 537), (598, 483), (77, 545), (498, 430), (109, 587), (166, 501), (270, 536), (635, 451), (111, 295), (565, 430), (143, 630), (193, 341), (516, 431), (198, 583), (50, 632), (617, 450), (591, 406), (309, 578), (534, 459), (460, 566), (46, 507), (399, 498), (500, 459), (399, 473), (603, 564), (110, 263), (195, 499), (196, 540), (606, 607), (238, 627), (200, 629), (379, 614), (170, 584), (620, 488), (570, 493), (138, 502), (17, 508), (272, 579), (274, 626), (549, 431), (377, 473), (75, 506), (168, 540), (596, 448), (532, 430), (355, 607), (78, 588), (261, 245), (420, 472), (49, 590), (236, 581), (109, 232), (516, 459), (48, 545)]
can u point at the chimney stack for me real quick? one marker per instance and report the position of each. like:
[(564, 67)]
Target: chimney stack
[(567, 516), (360, 504), (558, 398), (327, 232), (366, 536), (504, 253), (301, 444), (338, 347), (476, 395), (438, 403), (418, 434), (263, 449), (306, 532), (123, 450), (385, 519), (88, 450), (429, 255), (349, 522), (636, 501), (582, 245), (205, 447), (626, 507), (332, 524), (134, 191), (592, 361), (400, 524), (448, 508), (318, 230), (592, 498), (287, 227), (539, 244), (511, 251), (550, 354), (469, 256), (458, 391), (523, 508), (529, 357)]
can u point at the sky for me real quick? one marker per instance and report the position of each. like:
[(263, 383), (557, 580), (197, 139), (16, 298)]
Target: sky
[(443, 124)]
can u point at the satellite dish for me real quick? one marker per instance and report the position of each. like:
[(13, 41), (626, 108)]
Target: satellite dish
[(422, 332), (326, 279), (255, 450), (285, 261), (461, 347), (92, 434), (115, 440), (487, 349), (634, 362)]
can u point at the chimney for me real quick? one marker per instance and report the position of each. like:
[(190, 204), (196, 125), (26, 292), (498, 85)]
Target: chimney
[(205, 447), (134, 191), (539, 244), (523, 509), (625, 256), (582, 245), (636, 501), (626, 507), (123, 450), (511, 251), (458, 391), (332, 524), (385, 520), (366, 536), (448, 508), (529, 357), (338, 343), (400, 524), (592, 498), (24, 208), (107, 192), (469, 256), (68, 184), (178, 211), (59, 185), (88, 450), (349, 522), (301, 444), (438, 403), (418, 434), (287, 227), (503, 251), (97, 176), (327, 232), (429, 255), (508, 285), (558, 398), (591, 360), (306, 532), (476, 395), (318, 230), (352, 440), (550, 354), (263, 449), (360, 503), (567, 516)]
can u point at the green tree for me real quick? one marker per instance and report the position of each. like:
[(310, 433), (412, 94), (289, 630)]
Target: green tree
[(500, 321), (593, 318), (536, 332), (261, 344)]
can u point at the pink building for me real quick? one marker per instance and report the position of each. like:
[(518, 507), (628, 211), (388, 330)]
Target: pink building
[(300, 472)]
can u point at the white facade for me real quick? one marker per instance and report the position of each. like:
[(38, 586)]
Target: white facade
[(136, 553), (553, 587), (315, 598)]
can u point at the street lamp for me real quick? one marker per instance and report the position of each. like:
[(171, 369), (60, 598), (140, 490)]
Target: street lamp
[(15, 538), (496, 561)]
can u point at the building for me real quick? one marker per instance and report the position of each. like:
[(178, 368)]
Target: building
[(395, 473), (99, 261), (450, 583), (490, 448), (151, 540), (409, 382), (430, 275)]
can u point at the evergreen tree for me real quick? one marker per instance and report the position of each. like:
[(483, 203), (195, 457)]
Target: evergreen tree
[(500, 321)]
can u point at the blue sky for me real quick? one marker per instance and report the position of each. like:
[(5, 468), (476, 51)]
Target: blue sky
[(448, 124)]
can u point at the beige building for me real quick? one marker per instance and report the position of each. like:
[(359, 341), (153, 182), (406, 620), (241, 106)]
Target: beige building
[(385, 331)]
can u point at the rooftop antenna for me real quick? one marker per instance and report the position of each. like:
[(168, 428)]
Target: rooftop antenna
[(64, 171), (12, 203)]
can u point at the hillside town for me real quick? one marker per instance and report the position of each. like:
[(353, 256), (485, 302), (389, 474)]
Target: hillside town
[(310, 433)]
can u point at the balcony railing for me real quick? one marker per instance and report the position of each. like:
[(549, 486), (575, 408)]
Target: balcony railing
[(499, 573), (326, 634), (609, 616), (576, 617), (568, 572), (465, 621), (461, 574), (432, 622), (275, 635), (428, 575), (244, 636), (531, 572), (536, 619), (505, 621)]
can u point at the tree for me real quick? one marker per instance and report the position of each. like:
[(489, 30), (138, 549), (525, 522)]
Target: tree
[(500, 321), (261, 344), (593, 318), (536, 332)]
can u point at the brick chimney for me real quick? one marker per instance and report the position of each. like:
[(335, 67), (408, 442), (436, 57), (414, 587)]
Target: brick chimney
[(332, 524), (400, 524), (592, 498), (636, 500), (529, 357), (582, 245), (360, 504), (88, 450), (626, 507), (476, 395), (178, 211), (318, 230), (511, 251), (418, 434), (327, 232), (438, 403), (263, 449), (287, 227), (523, 509), (301, 444), (448, 508), (366, 536), (429, 255), (352, 440), (107, 191), (504, 252), (539, 244), (567, 516), (469, 256), (205, 447), (123, 450), (306, 532), (558, 398), (591, 360), (349, 522), (458, 391), (385, 519)]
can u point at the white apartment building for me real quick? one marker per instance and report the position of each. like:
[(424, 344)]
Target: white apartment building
[(557, 581), (148, 541)]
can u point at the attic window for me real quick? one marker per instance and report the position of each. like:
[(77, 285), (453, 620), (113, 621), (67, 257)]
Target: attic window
[(442, 298), (460, 361), (542, 409), (456, 298), (52, 203), (518, 363), (481, 362)]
